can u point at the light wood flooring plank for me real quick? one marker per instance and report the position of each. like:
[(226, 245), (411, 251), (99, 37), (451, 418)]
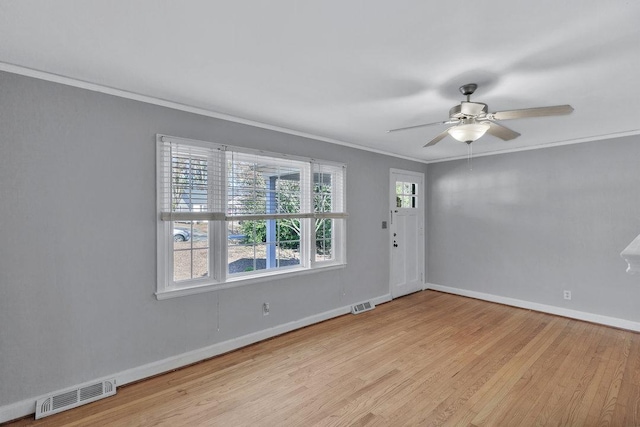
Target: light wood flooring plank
[(426, 359)]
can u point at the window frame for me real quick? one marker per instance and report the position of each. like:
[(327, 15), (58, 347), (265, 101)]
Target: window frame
[(219, 217)]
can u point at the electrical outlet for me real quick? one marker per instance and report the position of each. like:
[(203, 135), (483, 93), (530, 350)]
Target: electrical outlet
[(265, 309), (567, 295)]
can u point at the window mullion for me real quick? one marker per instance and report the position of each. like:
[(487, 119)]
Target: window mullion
[(308, 225), (220, 233)]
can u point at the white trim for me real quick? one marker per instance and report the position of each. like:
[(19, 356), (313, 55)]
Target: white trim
[(26, 407), (221, 216), (82, 84), (193, 216), (422, 196), (310, 215), (57, 78), (234, 282), (94, 87), (602, 137), (551, 309), (631, 254), (210, 145), (218, 277)]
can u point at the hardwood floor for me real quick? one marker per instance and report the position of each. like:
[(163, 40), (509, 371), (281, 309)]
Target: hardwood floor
[(426, 359)]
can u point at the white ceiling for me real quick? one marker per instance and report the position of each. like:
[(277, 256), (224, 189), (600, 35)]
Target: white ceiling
[(346, 70)]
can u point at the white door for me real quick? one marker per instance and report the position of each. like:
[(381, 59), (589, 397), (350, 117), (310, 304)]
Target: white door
[(406, 232)]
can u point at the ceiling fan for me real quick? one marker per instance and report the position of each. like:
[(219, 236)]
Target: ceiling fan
[(471, 119)]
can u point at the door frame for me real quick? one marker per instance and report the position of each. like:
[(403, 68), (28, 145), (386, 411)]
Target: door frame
[(422, 236)]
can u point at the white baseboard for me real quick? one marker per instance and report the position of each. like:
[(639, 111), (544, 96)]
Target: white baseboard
[(551, 309), (27, 406), (380, 300)]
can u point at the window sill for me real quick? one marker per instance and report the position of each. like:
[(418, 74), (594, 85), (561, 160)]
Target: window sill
[(235, 282)]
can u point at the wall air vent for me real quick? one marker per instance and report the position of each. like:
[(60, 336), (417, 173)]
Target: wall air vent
[(362, 307), (67, 399)]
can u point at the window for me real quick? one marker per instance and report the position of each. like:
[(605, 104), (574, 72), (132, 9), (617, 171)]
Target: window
[(406, 195), (228, 215)]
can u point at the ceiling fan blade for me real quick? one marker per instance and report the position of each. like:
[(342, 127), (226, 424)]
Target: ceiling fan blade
[(502, 132), (555, 110), (447, 122), (437, 139)]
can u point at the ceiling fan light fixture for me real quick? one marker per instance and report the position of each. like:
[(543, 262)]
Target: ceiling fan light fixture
[(469, 132)]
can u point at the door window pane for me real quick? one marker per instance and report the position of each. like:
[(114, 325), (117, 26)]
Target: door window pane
[(406, 195)]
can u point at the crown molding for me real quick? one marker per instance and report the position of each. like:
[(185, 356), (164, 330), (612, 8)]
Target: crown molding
[(58, 78), (82, 84), (601, 137)]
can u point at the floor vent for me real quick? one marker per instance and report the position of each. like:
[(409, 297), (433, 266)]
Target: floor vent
[(365, 306), (61, 401)]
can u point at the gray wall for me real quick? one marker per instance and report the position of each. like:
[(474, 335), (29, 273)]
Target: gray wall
[(78, 254), (531, 224)]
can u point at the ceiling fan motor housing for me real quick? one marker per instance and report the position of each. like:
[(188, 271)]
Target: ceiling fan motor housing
[(466, 110)]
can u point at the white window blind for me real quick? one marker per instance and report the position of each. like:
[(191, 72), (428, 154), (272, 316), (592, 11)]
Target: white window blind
[(190, 179)]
